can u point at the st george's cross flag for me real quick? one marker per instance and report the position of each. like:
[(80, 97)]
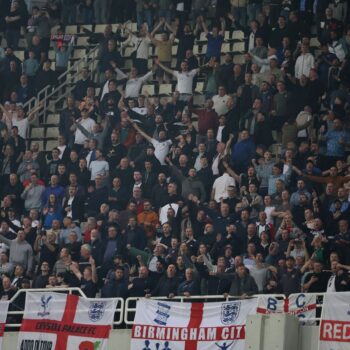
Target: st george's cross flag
[(56, 321), (335, 322), (301, 305), (4, 306), (163, 325)]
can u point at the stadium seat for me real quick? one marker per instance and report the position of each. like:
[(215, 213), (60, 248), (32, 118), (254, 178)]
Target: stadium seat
[(53, 119), (50, 145), (19, 55), (165, 89), (195, 49), (314, 42), (203, 37), (72, 29), (238, 59), (40, 143), (238, 47), (79, 53), (238, 35), (37, 133), (174, 50), (52, 132), (83, 41), (227, 35), (226, 47), (199, 87), (99, 28), (148, 88)]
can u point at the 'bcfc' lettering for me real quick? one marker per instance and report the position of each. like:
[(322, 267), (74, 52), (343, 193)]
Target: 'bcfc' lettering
[(36, 345), (272, 304), (300, 301)]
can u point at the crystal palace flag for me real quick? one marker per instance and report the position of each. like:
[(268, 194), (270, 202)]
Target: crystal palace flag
[(4, 305), (56, 321), (335, 322), (163, 325)]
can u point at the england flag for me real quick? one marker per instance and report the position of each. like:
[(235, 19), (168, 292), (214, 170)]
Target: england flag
[(163, 325), (56, 321)]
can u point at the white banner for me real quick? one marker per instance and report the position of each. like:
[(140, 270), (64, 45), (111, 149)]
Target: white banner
[(301, 305), (4, 306), (163, 325), (56, 321), (335, 322)]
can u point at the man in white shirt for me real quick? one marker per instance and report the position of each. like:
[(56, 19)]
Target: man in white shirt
[(220, 187), (87, 122), (141, 45), (184, 78), (99, 166), (161, 147), (220, 101), (304, 62), (133, 83)]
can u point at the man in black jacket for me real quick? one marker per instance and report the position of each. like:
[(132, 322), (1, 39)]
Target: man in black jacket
[(74, 205), (141, 285), (81, 85), (167, 285), (114, 245)]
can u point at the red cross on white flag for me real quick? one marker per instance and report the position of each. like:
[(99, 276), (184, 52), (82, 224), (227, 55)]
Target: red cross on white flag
[(55, 321)]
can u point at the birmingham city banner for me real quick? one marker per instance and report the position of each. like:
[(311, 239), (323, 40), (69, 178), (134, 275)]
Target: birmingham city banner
[(4, 306), (163, 325), (301, 305), (56, 321), (335, 322)]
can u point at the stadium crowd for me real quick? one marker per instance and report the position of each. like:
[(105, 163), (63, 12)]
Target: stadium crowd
[(147, 195)]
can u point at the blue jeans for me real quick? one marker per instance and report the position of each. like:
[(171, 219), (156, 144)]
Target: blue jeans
[(241, 14), (144, 16), (166, 14), (253, 10)]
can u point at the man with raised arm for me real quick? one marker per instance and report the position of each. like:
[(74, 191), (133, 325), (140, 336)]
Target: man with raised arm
[(161, 147), (184, 78)]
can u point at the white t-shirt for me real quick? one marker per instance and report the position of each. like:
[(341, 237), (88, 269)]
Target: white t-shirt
[(185, 80), (331, 284), (220, 104), (62, 149), (268, 211), (161, 149), (142, 45), (220, 186), (98, 167), (219, 133), (140, 110), (133, 86), (88, 124), (22, 125)]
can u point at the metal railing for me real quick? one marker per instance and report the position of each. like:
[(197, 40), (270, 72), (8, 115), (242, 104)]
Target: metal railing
[(14, 317), (130, 303), (125, 309), (65, 81)]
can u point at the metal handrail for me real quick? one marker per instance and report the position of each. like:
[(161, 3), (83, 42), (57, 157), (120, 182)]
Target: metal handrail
[(63, 81), (131, 309), (119, 310)]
